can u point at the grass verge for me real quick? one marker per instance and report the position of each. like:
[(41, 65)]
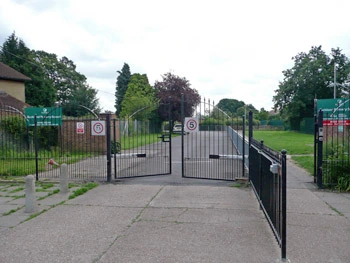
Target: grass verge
[(83, 189)]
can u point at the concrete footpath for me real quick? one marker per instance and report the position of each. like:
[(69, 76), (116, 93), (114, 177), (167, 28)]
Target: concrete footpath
[(162, 220)]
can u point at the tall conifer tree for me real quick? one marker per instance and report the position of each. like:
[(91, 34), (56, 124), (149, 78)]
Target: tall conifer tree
[(121, 86)]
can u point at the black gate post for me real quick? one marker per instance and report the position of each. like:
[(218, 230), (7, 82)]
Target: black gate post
[(36, 148), (315, 147), (243, 145), (319, 149), (250, 135), (182, 137), (108, 141), (170, 133), (284, 205), (115, 146)]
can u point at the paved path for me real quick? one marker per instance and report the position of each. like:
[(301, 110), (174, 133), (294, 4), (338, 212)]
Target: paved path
[(140, 220)]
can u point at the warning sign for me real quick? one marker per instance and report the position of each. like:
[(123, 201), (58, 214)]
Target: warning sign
[(98, 128), (80, 127), (191, 124)]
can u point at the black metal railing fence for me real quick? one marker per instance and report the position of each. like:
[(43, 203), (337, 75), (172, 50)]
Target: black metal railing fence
[(267, 175), (332, 150)]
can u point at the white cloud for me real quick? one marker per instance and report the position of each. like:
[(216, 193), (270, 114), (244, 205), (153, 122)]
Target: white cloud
[(225, 48)]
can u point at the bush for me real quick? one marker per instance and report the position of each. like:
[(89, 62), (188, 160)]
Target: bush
[(337, 169)]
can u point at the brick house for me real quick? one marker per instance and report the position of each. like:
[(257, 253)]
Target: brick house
[(12, 89)]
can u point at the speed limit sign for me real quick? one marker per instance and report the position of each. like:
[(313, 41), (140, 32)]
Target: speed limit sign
[(191, 124), (98, 128)]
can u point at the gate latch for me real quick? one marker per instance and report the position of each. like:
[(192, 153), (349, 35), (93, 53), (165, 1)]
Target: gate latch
[(165, 137)]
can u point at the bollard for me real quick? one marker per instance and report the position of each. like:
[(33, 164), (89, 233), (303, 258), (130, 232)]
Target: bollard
[(63, 178), (31, 202)]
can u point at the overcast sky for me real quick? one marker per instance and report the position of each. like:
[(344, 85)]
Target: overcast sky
[(225, 48)]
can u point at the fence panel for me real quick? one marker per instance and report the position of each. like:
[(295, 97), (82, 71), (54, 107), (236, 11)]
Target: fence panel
[(333, 147), (28, 149), (267, 174)]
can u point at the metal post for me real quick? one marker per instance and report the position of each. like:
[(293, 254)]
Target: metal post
[(284, 205), (170, 132), (260, 170), (320, 149), (250, 134), (335, 81), (243, 146), (115, 145), (36, 148), (250, 127), (108, 141), (182, 137), (315, 147)]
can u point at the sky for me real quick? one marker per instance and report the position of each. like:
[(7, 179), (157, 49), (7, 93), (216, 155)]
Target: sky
[(225, 48)]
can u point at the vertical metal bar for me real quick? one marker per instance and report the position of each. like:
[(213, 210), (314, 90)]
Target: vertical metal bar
[(170, 132), (182, 137), (36, 148), (319, 149), (243, 148), (315, 147), (250, 136), (260, 170), (108, 141), (284, 205), (115, 148)]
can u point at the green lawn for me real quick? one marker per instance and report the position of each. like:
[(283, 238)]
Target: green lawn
[(299, 145), (293, 142)]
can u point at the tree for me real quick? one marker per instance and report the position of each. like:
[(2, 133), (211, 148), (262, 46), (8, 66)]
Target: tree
[(311, 77), (139, 99), (244, 110), (169, 90), (71, 87), (121, 87), (230, 106), (82, 101), (40, 90), (263, 115)]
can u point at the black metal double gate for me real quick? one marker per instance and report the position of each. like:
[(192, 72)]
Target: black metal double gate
[(139, 146), (210, 147)]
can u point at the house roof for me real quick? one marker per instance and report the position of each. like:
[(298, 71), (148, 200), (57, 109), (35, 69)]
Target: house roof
[(9, 73), (7, 100)]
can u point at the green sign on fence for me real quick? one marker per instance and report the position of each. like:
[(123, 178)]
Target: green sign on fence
[(334, 108), (44, 116)]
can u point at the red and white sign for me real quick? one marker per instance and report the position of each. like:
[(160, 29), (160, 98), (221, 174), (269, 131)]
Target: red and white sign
[(191, 125), (336, 122), (80, 127), (98, 128)]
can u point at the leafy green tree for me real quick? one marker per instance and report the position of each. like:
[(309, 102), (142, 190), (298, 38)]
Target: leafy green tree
[(121, 87), (169, 90), (244, 110), (230, 106), (140, 99), (72, 88), (311, 77), (263, 114), (40, 90)]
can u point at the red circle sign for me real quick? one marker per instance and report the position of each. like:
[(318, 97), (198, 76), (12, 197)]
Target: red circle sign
[(97, 127), (191, 124)]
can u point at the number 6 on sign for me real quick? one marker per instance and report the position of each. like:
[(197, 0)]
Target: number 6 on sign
[(191, 124)]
